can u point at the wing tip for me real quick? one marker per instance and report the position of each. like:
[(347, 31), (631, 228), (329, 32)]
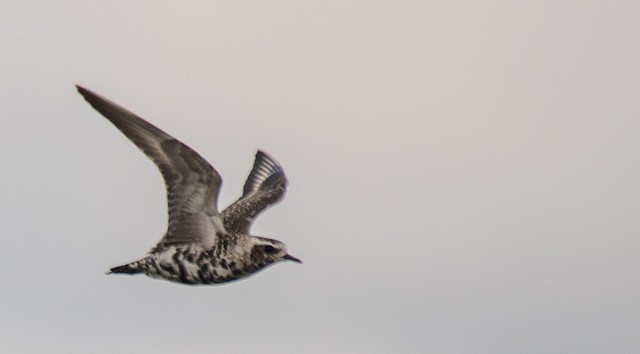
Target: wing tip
[(266, 173), (83, 91), (89, 95), (261, 155)]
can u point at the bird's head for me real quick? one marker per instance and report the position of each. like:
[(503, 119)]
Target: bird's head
[(266, 251)]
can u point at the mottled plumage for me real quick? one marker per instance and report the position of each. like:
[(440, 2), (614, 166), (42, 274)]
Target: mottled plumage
[(201, 245)]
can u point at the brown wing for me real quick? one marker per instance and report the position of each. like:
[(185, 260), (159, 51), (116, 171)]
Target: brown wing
[(192, 184), (265, 186)]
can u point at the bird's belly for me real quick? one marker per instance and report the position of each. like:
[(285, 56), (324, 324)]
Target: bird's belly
[(191, 266)]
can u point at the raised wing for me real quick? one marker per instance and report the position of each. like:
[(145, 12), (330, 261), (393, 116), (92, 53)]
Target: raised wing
[(265, 186), (192, 184)]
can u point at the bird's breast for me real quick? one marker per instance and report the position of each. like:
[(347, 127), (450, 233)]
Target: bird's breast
[(194, 265)]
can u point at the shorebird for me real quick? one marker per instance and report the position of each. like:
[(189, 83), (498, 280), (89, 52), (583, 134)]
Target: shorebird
[(201, 245)]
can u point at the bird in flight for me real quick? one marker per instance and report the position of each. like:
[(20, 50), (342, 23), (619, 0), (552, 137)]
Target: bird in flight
[(201, 245)]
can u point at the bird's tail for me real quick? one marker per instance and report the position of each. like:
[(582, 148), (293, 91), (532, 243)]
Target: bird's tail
[(131, 268)]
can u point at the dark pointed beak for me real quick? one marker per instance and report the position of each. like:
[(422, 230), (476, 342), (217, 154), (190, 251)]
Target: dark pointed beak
[(292, 258)]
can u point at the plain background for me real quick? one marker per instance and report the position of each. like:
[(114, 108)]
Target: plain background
[(463, 174)]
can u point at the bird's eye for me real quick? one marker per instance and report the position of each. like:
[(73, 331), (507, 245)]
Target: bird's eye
[(270, 249)]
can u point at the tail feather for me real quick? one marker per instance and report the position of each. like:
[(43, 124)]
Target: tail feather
[(126, 269)]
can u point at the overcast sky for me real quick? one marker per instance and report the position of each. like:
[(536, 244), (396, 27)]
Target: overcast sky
[(464, 175)]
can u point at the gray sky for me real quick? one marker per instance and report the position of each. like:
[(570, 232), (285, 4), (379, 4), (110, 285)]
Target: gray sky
[(463, 176)]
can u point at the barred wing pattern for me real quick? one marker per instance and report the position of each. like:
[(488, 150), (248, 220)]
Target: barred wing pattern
[(192, 183), (265, 186)]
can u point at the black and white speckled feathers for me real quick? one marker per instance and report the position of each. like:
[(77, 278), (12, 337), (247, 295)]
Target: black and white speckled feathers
[(201, 245)]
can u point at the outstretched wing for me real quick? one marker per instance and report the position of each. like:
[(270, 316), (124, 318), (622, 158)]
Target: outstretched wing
[(265, 186), (192, 184)]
